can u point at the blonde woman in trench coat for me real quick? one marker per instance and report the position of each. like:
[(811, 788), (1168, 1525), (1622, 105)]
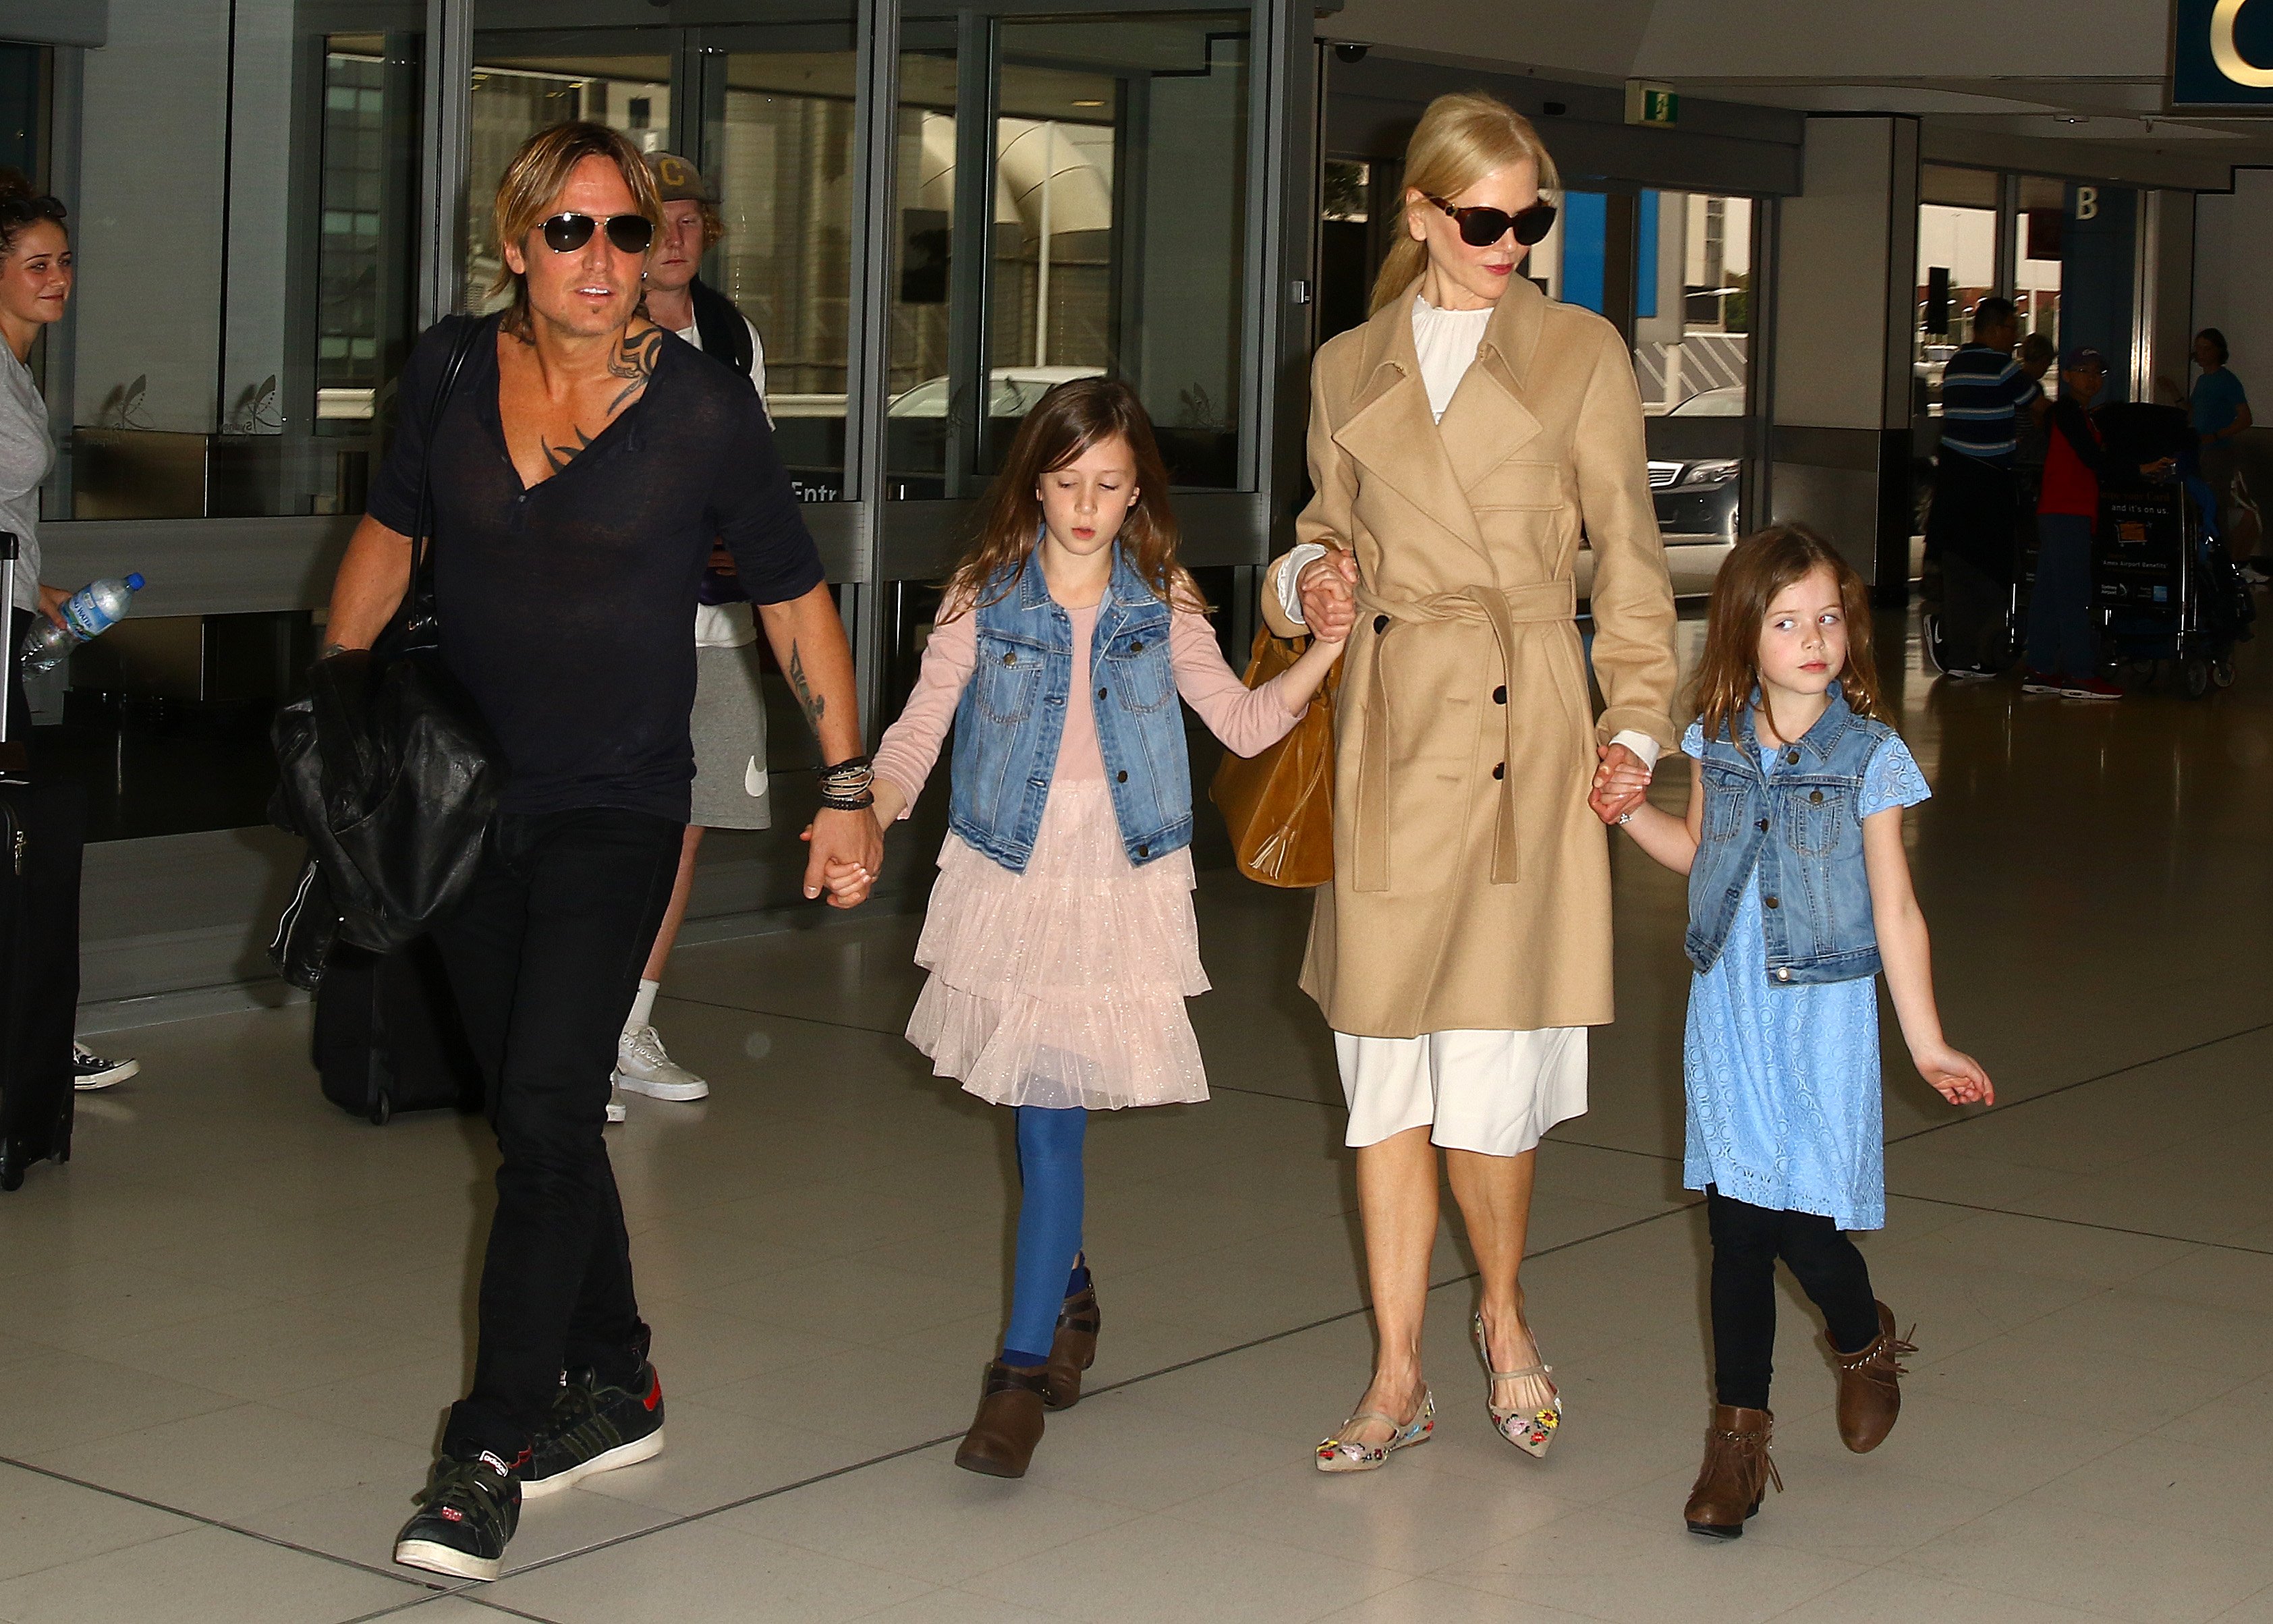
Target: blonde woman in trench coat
[(1463, 442)]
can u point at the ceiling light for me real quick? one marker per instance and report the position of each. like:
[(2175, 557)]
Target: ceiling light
[(1089, 104)]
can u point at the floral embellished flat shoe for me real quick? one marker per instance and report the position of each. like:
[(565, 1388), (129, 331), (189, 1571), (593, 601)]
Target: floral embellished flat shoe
[(1342, 1454), (1529, 1430)]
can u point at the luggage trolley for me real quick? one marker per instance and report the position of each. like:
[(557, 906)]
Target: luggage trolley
[(2159, 581)]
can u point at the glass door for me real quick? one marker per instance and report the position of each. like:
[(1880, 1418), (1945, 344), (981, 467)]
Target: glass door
[(1072, 202)]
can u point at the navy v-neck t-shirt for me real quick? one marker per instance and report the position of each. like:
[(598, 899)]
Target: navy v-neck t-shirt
[(566, 608)]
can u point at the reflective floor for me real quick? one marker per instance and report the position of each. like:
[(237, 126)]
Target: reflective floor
[(228, 1329)]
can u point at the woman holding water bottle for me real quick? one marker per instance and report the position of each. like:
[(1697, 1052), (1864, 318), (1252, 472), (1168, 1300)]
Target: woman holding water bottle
[(35, 286)]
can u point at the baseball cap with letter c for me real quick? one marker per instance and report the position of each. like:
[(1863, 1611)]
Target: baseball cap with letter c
[(678, 181)]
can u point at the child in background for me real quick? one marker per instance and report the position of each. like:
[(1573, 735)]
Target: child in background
[(1060, 937), (1799, 892)]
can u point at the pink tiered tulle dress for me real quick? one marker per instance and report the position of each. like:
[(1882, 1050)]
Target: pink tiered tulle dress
[(1065, 985)]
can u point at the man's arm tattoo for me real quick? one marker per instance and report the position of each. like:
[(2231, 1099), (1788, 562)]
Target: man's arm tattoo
[(560, 456), (634, 361), (812, 703)]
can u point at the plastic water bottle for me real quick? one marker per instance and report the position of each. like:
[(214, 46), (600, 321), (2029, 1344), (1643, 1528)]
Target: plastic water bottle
[(88, 612)]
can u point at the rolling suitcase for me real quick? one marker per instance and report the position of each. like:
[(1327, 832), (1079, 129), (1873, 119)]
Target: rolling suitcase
[(42, 833), (387, 1035)]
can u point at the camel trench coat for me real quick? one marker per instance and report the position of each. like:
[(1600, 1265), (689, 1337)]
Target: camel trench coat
[(1471, 886)]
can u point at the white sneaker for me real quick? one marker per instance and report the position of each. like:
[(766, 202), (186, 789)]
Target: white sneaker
[(643, 1067)]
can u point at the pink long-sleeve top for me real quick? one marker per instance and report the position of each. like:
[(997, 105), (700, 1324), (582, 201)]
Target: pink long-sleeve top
[(1247, 719)]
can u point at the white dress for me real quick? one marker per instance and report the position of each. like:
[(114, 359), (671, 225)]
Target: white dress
[(1496, 1093)]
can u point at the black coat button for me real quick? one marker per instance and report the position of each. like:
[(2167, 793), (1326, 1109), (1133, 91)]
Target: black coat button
[(1500, 772), (1762, 825), (1772, 902), (1499, 694), (1143, 851), (1381, 623), (1136, 646), (1121, 777), (1100, 693)]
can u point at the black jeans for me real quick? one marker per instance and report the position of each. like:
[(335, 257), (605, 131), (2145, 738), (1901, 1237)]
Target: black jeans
[(1971, 533), (1747, 1240), (544, 957)]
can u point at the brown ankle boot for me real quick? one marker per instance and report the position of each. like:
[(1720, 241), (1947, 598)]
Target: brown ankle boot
[(1073, 1348), (1736, 1473), (1869, 1387), (1008, 1423)]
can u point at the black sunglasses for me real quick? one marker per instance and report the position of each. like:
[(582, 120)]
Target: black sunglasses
[(628, 233), (22, 211), (1480, 228)]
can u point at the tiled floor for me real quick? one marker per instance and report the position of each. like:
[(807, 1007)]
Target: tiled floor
[(228, 1329)]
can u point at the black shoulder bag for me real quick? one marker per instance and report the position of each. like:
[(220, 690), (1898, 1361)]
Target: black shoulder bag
[(386, 769)]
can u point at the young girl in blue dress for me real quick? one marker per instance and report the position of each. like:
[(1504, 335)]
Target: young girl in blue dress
[(1059, 936), (1799, 893)]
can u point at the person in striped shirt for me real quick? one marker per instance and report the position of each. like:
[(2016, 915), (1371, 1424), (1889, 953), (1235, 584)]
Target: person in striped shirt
[(1972, 530)]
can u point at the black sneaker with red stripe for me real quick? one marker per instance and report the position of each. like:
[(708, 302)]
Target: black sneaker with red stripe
[(467, 1512), (595, 1427)]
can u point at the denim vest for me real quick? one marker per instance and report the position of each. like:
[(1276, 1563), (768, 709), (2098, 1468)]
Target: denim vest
[(1799, 825), (1012, 717)]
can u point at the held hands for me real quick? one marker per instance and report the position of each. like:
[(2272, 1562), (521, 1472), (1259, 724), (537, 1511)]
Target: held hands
[(1329, 591), (52, 600), (847, 856), (1957, 1077), (848, 880), (1620, 783)]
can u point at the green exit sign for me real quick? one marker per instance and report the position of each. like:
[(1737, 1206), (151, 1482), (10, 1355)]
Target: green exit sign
[(1648, 103)]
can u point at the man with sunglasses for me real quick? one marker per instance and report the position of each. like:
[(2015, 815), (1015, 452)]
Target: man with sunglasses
[(580, 469)]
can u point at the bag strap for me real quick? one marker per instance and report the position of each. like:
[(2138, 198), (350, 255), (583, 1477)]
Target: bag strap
[(415, 615)]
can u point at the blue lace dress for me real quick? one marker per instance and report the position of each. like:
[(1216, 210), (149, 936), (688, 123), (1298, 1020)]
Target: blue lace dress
[(1782, 1082)]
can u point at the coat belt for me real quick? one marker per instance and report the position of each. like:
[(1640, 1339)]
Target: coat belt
[(1544, 603)]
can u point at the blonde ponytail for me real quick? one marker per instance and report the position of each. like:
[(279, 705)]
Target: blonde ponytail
[(1460, 138)]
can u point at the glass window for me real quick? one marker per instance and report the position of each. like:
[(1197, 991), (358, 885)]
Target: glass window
[(366, 283), (245, 298), (1114, 239), (1692, 303), (1692, 360), (927, 450), (1345, 210), (1956, 270), (273, 185), (782, 150), (2037, 257)]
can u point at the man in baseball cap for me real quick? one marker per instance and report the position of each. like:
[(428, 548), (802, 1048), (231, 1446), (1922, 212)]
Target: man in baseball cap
[(728, 723)]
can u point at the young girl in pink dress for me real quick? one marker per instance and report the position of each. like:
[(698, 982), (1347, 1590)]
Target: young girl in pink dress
[(1059, 938)]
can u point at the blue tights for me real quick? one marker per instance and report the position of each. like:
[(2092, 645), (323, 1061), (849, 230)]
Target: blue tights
[(1049, 1229)]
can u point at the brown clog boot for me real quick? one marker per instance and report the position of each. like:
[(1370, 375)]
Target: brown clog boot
[(1869, 1387), (1073, 1348), (1008, 1423), (1736, 1473)]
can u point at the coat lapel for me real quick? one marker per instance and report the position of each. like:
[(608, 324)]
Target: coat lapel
[(1488, 421), (1391, 432)]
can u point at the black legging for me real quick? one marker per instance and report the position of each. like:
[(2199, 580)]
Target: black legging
[(1747, 1240)]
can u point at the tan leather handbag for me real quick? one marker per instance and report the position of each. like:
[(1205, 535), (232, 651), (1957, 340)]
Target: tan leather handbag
[(1279, 806)]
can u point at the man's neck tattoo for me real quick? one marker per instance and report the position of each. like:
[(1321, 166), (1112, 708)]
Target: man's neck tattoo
[(633, 362)]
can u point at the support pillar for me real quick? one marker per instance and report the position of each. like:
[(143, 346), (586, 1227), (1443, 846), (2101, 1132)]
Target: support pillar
[(1846, 273)]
